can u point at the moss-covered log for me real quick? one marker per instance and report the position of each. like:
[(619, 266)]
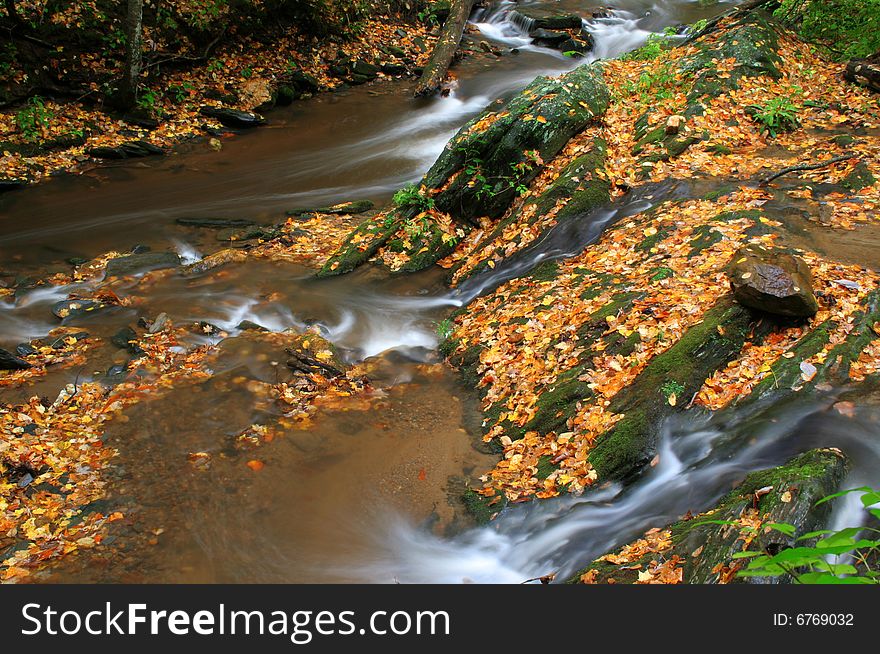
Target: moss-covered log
[(788, 494)]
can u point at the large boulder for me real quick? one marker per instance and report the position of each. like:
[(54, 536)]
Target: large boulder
[(535, 18), (773, 281)]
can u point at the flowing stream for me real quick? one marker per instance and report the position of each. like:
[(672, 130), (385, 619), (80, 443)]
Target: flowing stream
[(364, 496)]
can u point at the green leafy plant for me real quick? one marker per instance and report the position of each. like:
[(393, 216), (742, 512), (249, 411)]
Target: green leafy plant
[(671, 388), (179, 92), (148, 101), (444, 329), (846, 28), (655, 86), (655, 45), (411, 196), (778, 115), (33, 118), (845, 556)]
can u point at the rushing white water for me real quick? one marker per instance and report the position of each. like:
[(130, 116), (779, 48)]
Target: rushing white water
[(698, 462)]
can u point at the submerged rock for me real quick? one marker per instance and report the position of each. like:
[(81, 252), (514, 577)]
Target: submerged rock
[(311, 353), (772, 281), (214, 223), (74, 308), (548, 37), (8, 361), (135, 263)]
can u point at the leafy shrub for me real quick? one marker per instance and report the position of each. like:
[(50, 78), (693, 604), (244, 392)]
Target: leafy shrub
[(411, 196), (33, 118), (848, 28), (845, 556)]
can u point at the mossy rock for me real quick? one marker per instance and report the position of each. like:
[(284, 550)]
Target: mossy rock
[(706, 548), (858, 178), (481, 167), (751, 42), (622, 451)]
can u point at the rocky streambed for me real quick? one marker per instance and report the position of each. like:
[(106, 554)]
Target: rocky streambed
[(661, 304)]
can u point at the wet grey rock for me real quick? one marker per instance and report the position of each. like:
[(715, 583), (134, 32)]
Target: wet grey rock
[(214, 223), (74, 308), (128, 150), (159, 323), (135, 263), (538, 20), (250, 326), (8, 361), (773, 281), (364, 68), (233, 117), (548, 37), (304, 83), (579, 46), (206, 328), (25, 349), (141, 149), (123, 339), (393, 69), (351, 208)]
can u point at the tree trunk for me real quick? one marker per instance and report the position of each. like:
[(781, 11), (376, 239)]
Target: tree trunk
[(444, 51), (134, 19)]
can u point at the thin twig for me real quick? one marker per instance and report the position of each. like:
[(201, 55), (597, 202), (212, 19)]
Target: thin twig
[(802, 167)]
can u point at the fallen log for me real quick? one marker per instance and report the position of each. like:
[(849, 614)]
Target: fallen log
[(864, 72), (441, 58)]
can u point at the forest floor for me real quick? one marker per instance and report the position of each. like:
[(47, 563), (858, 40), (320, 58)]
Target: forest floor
[(60, 133)]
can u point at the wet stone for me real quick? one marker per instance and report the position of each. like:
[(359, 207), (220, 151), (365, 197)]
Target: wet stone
[(123, 340), (135, 263), (8, 361), (74, 308), (60, 342), (250, 326), (773, 281), (25, 349), (233, 117), (214, 223), (548, 37)]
